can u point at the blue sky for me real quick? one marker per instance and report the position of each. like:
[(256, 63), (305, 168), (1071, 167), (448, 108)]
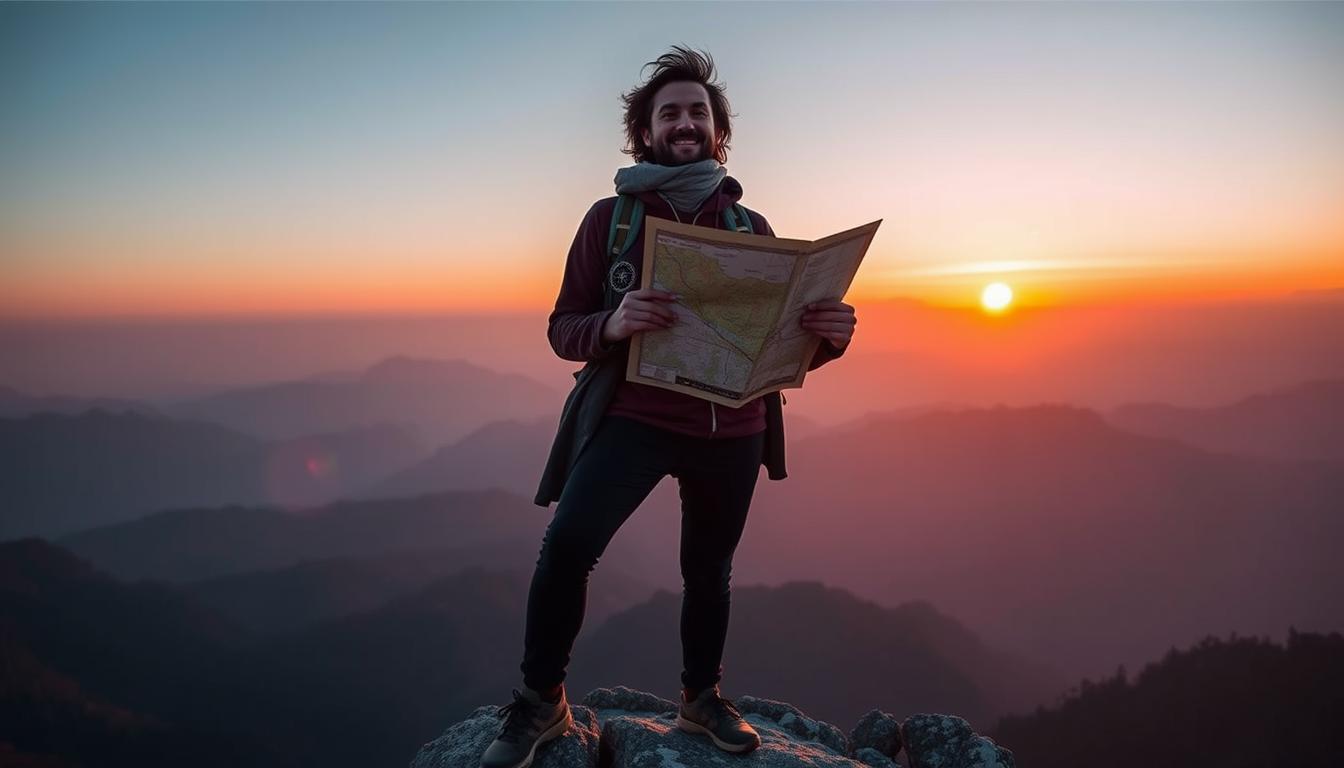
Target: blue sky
[(152, 146)]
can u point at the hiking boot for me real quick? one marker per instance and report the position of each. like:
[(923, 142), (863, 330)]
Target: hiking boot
[(528, 722), (717, 718)]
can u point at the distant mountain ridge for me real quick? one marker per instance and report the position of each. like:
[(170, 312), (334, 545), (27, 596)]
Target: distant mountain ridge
[(509, 454), (502, 454), (96, 669), (840, 651), (979, 511), (68, 472), (441, 400), (933, 505), (292, 444), (1299, 422), (285, 599), (386, 679), (15, 404), (191, 544), (111, 673)]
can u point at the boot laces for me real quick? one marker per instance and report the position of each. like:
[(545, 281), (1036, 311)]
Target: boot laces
[(723, 707), (517, 716)]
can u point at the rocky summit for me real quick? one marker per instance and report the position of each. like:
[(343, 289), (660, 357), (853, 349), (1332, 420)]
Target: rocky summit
[(624, 728)]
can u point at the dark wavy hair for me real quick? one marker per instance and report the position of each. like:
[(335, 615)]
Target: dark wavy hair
[(677, 65)]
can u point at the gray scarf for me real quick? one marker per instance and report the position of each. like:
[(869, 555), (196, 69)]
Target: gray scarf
[(686, 187)]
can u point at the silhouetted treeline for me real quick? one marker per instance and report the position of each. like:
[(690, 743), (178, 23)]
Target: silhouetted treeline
[(1236, 703)]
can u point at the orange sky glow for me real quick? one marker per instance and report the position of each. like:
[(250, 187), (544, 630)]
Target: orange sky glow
[(109, 288), (342, 162)]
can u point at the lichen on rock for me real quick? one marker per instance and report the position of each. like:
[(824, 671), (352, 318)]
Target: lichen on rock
[(624, 728), (947, 741), (878, 731), (463, 743)]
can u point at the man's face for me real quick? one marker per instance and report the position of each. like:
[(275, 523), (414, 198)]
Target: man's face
[(682, 128)]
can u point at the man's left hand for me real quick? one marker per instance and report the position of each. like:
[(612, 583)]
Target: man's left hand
[(833, 320)]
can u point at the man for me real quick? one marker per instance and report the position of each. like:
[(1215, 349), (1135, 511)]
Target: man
[(678, 128)]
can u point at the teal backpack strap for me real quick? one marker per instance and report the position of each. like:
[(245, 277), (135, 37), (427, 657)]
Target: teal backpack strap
[(616, 214), (730, 219), (735, 218), (625, 221)]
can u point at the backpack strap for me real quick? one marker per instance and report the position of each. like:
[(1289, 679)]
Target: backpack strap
[(625, 221), (735, 218)]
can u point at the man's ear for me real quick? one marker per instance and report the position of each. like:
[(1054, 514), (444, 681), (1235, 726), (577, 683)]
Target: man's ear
[(648, 137)]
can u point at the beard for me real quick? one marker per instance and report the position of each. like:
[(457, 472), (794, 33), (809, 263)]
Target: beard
[(664, 154)]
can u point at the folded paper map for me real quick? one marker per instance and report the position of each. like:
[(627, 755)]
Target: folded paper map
[(737, 334)]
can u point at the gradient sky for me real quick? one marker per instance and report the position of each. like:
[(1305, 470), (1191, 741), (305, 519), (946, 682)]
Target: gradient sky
[(236, 158)]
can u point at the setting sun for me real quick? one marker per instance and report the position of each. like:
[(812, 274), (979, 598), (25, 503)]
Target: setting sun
[(996, 296)]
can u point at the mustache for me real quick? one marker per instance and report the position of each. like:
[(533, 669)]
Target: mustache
[(685, 135)]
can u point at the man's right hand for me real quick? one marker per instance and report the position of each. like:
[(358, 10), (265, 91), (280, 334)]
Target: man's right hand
[(643, 310)]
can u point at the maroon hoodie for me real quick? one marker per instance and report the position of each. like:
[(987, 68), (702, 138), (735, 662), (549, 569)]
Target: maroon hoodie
[(575, 326)]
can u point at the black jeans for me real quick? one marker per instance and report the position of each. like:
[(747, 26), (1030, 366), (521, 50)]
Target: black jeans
[(622, 463)]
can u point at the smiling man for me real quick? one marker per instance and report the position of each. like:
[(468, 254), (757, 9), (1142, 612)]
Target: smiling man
[(618, 439)]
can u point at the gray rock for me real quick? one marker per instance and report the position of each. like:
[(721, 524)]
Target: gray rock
[(628, 700), (934, 741), (462, 744), (639, 730), (946, 741), (876, 730), (982, 752), (870, 756), (624, 728), (790, 719), (643, 741)]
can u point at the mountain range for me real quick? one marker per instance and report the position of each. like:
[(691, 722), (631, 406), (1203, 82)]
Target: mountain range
[(342, 551), (1300, 422), (975, 510), (437, 400), (79, 463), (117, 668), (67, 472)]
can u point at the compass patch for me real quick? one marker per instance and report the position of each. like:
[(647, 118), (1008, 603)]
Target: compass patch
[(621, 276)]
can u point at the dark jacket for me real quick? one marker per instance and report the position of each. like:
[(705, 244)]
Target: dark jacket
[(574, 330)]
